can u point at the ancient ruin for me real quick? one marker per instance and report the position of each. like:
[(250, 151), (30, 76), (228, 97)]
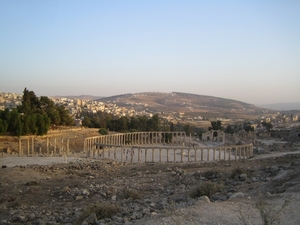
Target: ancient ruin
[(143, 147)]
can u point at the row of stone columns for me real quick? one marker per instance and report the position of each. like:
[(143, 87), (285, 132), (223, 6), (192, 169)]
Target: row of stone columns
[(134, 153), (137, 138), (58, 148)]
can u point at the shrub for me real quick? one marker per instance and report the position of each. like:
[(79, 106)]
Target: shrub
[(207, 189), (32, 183), (103, 131), (211, 174), (131, 193), (236, 172), (101, 210)]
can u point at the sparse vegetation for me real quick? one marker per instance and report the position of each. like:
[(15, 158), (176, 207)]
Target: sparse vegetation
[(131, 193), (32, 183), (206, 189), (101, 210), (236, 172), (211, 174), (103, 131), (270, 216)]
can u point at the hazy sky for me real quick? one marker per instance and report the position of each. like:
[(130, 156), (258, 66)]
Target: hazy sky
[(242, 50)]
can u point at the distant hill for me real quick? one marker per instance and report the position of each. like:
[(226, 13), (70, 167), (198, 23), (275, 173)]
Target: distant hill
[(190, 104), (87, 97), (282, 106)]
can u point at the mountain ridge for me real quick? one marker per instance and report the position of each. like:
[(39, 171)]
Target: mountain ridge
[(189, 104)]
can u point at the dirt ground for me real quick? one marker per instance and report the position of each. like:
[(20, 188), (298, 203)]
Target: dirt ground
[(262, 190)]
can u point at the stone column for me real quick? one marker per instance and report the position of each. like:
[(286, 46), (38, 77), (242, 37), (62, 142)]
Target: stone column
[(32, 145), (146, 155), (122, 154), (68, 147), (174, 155), (28, 148), (20, 147), (214, 154), (202, 154), (84, 143), (167, 155), (208, 154), (181, 155), (189, 154), (139, 155), (224, 153), (152, 154), (235, 153), (160, 155), (220, 152), (61, 146), (229, 152), (131, 155), (47, 145), (195, 154)]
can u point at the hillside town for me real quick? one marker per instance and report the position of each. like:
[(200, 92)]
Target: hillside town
[(76, 106)]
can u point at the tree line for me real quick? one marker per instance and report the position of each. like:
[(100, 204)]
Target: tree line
[(125, 124), (34, 116)]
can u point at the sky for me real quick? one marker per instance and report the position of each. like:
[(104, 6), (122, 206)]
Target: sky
[(243, 50)]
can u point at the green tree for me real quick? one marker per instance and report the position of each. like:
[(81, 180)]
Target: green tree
[(248, 127), (122, 124), (229, 130), (216, 125), (267, 125), (188, 129), (65, 118), (14, 123), (43, 123), (86, 122), (134, 124)]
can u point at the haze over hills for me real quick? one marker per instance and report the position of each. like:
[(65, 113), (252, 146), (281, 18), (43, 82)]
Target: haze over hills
[(282, 106), (190, 104), (87, 97)]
